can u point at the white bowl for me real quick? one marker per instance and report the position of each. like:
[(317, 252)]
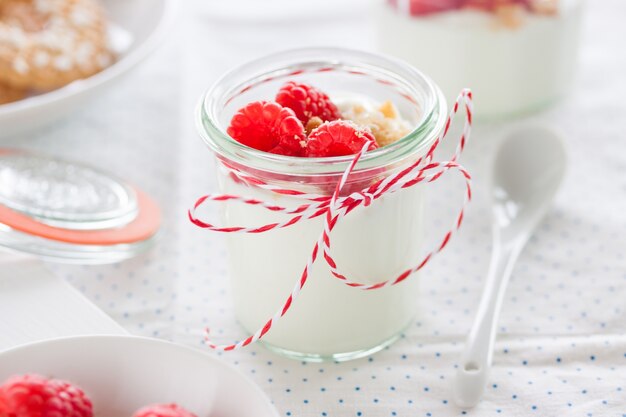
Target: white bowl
[(124, 373), (145, 20)]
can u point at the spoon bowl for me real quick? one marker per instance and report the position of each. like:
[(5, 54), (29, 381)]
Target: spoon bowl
[(528, 170)]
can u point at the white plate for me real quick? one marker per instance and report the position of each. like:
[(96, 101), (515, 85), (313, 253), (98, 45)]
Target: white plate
[(123, 373), (146, 21)]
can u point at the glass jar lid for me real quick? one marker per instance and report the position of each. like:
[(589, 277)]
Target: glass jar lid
[(69, 212), (64, 194)]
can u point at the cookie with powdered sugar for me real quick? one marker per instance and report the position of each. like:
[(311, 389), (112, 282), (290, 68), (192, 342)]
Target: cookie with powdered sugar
[(45, 44)]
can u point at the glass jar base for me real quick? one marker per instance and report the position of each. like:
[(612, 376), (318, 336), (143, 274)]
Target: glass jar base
[(336, 357)]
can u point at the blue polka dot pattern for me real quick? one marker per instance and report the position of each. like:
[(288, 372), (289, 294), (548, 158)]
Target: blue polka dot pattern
[(561, 348)]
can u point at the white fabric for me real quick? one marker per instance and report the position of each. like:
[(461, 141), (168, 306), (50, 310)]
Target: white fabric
[(36, 305), (561, 350)]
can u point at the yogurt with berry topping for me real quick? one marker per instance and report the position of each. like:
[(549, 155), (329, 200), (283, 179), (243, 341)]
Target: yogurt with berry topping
[(517, 55), (327, 320)]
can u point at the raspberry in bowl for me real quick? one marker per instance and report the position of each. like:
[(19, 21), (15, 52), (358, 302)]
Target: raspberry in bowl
[(34, 395), (518, 56), (123, 376), (284, 130)]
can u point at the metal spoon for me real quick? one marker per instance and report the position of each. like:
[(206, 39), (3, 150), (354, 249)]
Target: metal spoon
[(528, 170)]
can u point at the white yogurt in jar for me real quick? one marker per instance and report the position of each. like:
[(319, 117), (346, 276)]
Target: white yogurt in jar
[(511, 70), (371, 244), (329, 319)]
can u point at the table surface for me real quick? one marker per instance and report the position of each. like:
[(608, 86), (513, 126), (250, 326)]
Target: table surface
[(561, 347)]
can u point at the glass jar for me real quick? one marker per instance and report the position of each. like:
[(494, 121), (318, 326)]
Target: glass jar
[(329, 320), (518, 56)]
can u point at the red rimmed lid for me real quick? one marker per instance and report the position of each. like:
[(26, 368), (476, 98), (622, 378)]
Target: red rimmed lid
[(71, 212)]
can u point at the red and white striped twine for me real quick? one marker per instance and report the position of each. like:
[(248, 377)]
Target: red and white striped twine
[(334, 208)]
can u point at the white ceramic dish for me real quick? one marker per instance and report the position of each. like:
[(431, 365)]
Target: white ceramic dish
[(124, 373), (146, 21)]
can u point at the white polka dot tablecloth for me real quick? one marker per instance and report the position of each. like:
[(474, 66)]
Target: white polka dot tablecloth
[(561, 347)]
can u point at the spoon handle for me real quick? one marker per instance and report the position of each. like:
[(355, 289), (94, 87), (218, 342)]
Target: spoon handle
[(471, 377)]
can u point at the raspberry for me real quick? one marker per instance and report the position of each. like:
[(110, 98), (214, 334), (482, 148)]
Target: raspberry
[(425, 7), (307, 102), (338, 138), (163, 410), (268, 127), (36, 396)]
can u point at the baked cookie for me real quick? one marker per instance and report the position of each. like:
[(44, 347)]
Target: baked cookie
[(45, 44), (9, 94)]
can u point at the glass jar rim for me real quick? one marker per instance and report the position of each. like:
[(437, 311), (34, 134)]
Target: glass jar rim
[(238, 80)]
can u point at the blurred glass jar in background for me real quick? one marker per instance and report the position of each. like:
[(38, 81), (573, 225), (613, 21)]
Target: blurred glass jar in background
[(518, 56)]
